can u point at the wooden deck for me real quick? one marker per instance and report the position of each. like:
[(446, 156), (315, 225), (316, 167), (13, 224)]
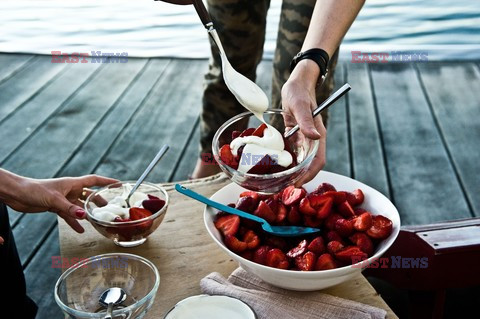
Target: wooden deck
[(409, 130)]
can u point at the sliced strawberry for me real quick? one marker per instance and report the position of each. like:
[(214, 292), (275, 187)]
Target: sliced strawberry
[(333, 236), (350, 252), (253, 194), (363, 222), (381, 228), (338, 197), (137, 213), (235, 134), (334, 246), (306, 262), (259, 131), (227, 157), (312, 221), (260, 255), (277, 259), (346, 210), (247, 254), (321, 203), (317, 245), (251, 239), (264, 211), (234, 244), (263, 166), (276, 242), (119, 219), (153, 205), (247, 132), (294, 217), (299, 250), (281, 213), (363, 242), (325, 262), (331, 220), (359, 197), (324, 187), (247, 204), (359, 210), (306, 208), (152, 197), (344, 227), (292, 195), (228, 225)]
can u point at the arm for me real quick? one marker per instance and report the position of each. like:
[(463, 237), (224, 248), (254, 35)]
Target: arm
[(58, 195), (330, 21)]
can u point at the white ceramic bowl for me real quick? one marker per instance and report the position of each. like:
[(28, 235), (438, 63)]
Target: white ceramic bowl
[(375, 202)]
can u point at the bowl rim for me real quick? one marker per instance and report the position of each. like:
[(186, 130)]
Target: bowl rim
[(308, 159), (132, 222), (74, 267), (313, 273)]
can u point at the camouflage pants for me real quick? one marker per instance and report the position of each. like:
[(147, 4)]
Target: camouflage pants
[(241, 27)]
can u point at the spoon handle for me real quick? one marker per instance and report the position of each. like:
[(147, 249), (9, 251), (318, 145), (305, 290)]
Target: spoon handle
[(152, 164), (217, 205), (203, 14), (108, 315), (325, 104)]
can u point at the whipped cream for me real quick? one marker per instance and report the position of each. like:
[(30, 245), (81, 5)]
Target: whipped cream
[(257, 147), (117, 207)]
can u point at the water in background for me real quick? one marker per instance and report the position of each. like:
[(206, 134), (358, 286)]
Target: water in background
[(445, 29)]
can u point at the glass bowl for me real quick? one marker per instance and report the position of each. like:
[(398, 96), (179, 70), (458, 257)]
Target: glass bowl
[(303, 147), (131, 233), (79, 288)]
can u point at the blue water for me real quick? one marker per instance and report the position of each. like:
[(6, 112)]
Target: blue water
[(445, 29)]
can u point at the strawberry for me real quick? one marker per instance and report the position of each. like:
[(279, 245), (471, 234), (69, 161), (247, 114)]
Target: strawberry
[(253, 194), (227, 157), (338, 197), (359, 197), (334, 246), (306, 208), (333, 235), (263, 166), (363, 222), (228, 225), (317, 245), (325, 262), (344, 227), (359, 210), (312, 221), (153, 205), (321, 203), (346, 210), (152, 197), (324, 187), (251, 239), (292, 195), (247, 254), (276, 242), (234, 244), (294, 216), (331, 220), (347, 254), (299, 250), (260, 255), (247, 204), (264, 211), (281, 213), (381, 227), (363, 242), (247, 132), (277, 259), (119, 219), (137, 213), (235, 134), (306, 262), (259, 131)]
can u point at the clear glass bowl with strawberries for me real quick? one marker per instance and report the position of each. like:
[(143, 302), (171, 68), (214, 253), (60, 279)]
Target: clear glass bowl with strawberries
[(265, 174), (127, 226), (357, 224)]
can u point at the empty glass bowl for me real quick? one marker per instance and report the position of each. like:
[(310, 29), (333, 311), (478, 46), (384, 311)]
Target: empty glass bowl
[(79, 288), (303, 147)]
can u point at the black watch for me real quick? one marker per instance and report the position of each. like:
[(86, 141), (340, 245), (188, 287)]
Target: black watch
[(318, 55)]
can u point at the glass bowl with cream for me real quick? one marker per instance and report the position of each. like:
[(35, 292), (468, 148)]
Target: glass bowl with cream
[(108, 213), (271, 143)]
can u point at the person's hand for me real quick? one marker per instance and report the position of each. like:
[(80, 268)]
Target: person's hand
[(298, 102), (58, 195)]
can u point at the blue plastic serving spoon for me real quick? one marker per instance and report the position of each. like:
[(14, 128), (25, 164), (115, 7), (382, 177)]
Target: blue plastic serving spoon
[(283, 231)]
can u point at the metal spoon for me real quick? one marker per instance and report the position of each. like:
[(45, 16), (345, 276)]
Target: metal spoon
[(283, 231), (110, 298), (152, 164)]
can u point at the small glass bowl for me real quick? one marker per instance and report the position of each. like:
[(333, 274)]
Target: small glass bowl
[(303, 147), (79, 288), (131, 233)]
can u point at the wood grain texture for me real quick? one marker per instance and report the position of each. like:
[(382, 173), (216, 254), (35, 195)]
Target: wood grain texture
[(12, 63), (184, 253)]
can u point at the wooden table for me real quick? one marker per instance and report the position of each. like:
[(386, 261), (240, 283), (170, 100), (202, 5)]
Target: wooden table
[(184, 253)]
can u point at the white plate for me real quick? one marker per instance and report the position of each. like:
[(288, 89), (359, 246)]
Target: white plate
[(375, 202)]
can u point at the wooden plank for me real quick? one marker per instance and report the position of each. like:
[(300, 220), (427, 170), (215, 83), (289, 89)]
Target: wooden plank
[(14, 217), (368, 165), (27, 83), (424, 187), (167, 117), (12, 63), (25, 121), (41, 278), (452, 90), (89, 155), (52, 145), (338, 143), (189, 157)]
